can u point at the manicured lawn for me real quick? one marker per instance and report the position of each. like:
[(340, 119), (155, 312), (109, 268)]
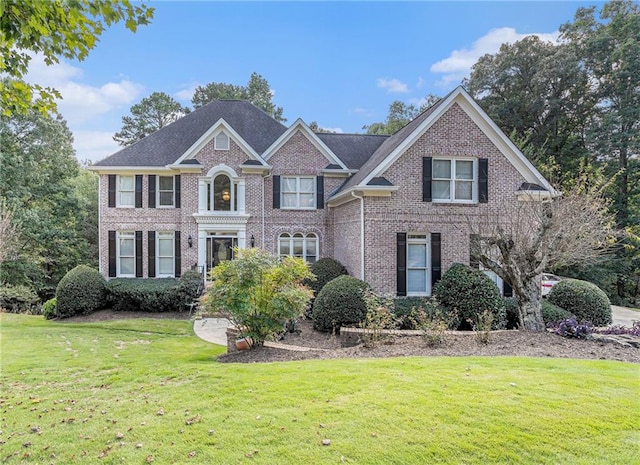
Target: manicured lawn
[(69, 389)]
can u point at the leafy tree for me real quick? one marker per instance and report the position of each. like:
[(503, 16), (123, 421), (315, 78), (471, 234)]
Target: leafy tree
[(259, 292), (53, 29), (257, 91), (9, 232), (150, 114), (313, 125), (39, 172), (399, 115)]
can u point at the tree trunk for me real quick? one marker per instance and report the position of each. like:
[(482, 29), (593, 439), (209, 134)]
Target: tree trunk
[(531, 307)]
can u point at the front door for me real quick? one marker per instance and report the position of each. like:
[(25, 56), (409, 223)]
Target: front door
[(219, 249)]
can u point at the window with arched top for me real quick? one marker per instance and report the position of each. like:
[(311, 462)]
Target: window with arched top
[(300, 245)]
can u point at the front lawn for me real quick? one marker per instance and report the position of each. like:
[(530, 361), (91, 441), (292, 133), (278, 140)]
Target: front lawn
[(143, 391)]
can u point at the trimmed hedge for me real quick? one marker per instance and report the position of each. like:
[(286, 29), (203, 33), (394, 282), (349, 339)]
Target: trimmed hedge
[(340, 303), (404, 307), (18, 299), (552, 313), (325, 270), (468, 292), (154, 295), (584, 300), (80, 292)]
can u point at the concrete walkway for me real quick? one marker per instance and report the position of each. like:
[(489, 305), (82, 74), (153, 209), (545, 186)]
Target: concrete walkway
[(214, 330)]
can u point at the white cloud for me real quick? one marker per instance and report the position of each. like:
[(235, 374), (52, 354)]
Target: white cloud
[(394, 86), (421, 82), (186, 93), (80, 101), (337, 130), (458, 65), (94, 145)]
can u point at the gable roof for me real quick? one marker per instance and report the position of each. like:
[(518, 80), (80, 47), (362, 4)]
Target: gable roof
[(165, 146), (395, 146), (353, 149)]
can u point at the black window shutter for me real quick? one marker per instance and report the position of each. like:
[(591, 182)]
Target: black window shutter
[(178, 255), (473, 258), (436, 258), (426, 178), (507, 290), (112, 254), (112, 190), (276, 192), (138, 191), (401, 264), (138, 254), (152, 191), (151, 248), (178, 190), (320, 192), (483, 180)]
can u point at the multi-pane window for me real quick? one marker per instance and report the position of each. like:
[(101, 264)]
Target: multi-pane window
[(300, 245), (166, 190), (126, 264), (126, 191), (222, 194), (298, 192), (454, 180), (221, 142), (417, 264), (165, 254)]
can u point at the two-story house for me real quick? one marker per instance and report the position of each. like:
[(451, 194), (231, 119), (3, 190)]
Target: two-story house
[(395, 210)]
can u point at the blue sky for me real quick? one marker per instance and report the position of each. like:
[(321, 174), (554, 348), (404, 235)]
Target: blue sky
[(338, 63)]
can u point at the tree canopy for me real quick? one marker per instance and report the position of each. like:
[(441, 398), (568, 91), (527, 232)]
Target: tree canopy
[(53, 29), (399, 115), (150, 114)]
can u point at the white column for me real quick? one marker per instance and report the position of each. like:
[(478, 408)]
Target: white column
[(242, 239), (241, 203), (202, 195)]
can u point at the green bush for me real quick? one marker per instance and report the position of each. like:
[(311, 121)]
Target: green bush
[(18, 299), (469, 293), (325, 270), (49, 309), (405, 308), (190, 286), (145, 295), (80, 291), (552, 313), (340, 303), (584, 300), (511, 312)]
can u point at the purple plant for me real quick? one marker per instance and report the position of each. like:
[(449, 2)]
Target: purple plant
[(571, 328), (620, 329)]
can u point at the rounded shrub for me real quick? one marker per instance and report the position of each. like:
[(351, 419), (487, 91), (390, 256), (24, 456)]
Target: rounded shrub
[(467, 293), (340, 303), (49, 309), (81, 291), (552, 313), (584, 300), (325, 270)]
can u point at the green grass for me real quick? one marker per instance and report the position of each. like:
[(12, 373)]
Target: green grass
[(82, 384)]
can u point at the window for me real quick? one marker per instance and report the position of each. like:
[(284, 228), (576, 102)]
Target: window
[(165, 257), (298, 192), (166, 191), (126, 255), (304, 246), (126, 191), (417, 265), (454, 181), (222, 194), (221, 142)]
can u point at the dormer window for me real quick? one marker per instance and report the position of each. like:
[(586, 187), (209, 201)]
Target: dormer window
[(221, 141)]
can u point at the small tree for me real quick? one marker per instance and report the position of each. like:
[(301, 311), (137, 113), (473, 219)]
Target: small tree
[(258, 292), (534, 236)]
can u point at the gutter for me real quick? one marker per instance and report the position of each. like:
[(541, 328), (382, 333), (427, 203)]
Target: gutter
[(361, 197)]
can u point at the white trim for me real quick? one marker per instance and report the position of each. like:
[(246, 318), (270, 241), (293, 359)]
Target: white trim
[(486, 125), (173, 192), (132, 169), (305, 238), (217, 127), (426, 241), (168, 235), (119, 191), (129, 235), (300, 125), (452, 181), (298, 192), (215, 141), (366, 191)]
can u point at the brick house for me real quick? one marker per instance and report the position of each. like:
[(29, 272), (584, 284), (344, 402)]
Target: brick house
[(395, 210)]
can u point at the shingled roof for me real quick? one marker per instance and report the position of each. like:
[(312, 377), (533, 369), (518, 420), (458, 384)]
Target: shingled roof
[(353, 149), (166, 145)]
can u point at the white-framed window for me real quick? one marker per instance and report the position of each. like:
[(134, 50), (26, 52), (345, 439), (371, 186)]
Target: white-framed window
[(166, 191), (298, 192), (418, 282), (126, 191), (300, 245), (454, 180), (222, 194), (221, 141), (165, 256), (126, 254)]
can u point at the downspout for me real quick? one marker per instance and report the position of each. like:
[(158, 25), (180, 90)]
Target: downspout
[(362, 274), (263, 210), (100, 253)]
